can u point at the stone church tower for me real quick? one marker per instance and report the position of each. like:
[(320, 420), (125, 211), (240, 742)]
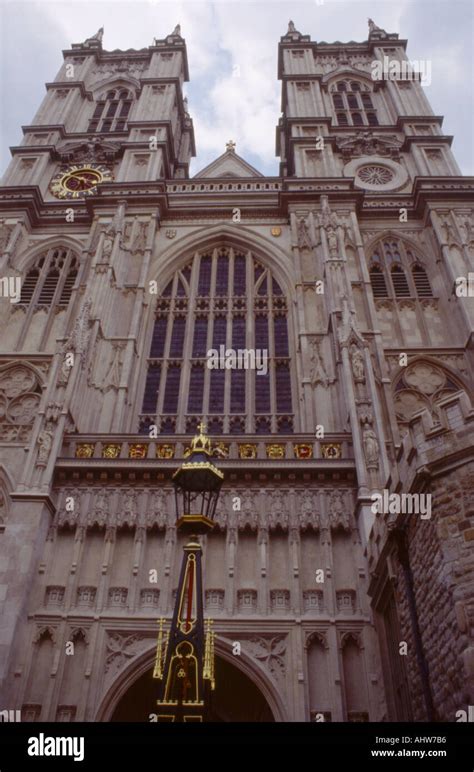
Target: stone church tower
[(343, 269)]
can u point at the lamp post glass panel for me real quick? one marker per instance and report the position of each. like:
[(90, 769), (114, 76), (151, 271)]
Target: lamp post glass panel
[(185, 656)]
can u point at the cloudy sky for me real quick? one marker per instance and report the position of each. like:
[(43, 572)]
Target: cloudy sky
[(232, 52)]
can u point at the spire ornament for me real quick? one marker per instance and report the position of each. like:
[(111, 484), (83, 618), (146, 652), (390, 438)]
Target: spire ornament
[(96, 40)]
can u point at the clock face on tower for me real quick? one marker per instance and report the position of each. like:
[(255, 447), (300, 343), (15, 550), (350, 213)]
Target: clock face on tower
[(79, 181)]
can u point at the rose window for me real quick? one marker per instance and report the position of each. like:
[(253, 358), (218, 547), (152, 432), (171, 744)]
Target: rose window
[(375, 175)]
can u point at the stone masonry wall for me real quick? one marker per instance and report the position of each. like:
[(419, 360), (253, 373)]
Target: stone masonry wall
[(441, 552)]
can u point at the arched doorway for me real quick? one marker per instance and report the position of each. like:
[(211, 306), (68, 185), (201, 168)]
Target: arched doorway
[(235, 698)]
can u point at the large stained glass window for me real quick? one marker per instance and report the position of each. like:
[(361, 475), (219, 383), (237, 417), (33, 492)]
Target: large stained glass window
[(224, 299)]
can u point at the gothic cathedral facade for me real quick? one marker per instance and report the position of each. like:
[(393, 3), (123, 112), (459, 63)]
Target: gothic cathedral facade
[(345, 269)]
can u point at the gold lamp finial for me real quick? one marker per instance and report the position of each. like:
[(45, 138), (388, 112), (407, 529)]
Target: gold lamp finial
[(201, 442)]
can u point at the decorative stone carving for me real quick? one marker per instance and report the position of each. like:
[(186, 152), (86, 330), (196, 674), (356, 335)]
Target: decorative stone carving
[(149, 598), (313, 601), (72, 514), (345, 601), (78, 339), (280, 601), (309, 516), (270, 651), (55, 595), (93, 150), (86, 596), (365, 143), (327, 218), (157, 513), (248, 512), (120, 648), (100, 511), (278, 510), (420, 386), (120, 65), (349, 328), (247, 601), (338, 512), (214, 600), (118, 597), (19, 401), (127, 512), (425, 378)]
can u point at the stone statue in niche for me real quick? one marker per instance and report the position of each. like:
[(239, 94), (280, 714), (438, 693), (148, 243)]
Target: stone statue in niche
[(107, 247), (371, 447), (318, 373), (65, 371), (332, 241), (304, 240), (44, 441), (357, 362), (140, 240)]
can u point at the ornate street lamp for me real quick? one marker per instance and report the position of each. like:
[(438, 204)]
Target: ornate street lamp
[(184, 661)]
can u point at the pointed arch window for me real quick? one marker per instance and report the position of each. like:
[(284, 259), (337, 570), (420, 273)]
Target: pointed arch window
[(408, 276), (51, 278), (111, 111), (353, 103), (222, 299)]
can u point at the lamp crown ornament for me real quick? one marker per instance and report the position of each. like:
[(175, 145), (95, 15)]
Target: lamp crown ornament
[(201, 442)]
